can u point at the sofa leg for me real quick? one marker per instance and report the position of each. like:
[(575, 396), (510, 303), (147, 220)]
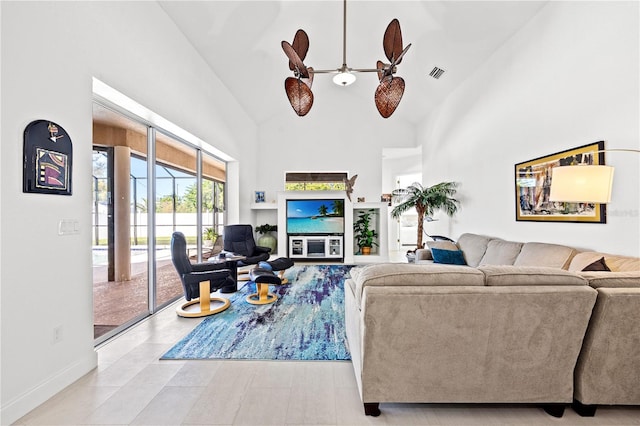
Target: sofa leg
[(584, 410), (372, 409), (555, 410)]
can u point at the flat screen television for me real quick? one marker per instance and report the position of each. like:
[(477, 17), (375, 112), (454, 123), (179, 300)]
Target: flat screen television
[(315, 216)]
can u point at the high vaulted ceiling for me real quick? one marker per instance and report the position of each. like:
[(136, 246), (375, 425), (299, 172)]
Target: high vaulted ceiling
[(240, 40)]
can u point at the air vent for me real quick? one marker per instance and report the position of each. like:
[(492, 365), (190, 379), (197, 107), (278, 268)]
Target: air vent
[(436, 72)]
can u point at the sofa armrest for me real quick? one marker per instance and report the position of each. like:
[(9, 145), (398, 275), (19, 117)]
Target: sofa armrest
[(599, 279), (404, 274), (423, 254)]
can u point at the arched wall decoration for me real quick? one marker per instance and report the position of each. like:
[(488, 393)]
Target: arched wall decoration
[(47, 161)]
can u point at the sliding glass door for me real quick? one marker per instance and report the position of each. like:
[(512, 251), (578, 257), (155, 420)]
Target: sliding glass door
[(120, 263), (213, 201), (176, 200), (147, 185)]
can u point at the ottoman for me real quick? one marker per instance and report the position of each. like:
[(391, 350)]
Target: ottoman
[(280, 264), (262, 278)]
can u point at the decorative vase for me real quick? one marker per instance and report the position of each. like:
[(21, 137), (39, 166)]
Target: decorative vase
[(268, 240), (365, 250)]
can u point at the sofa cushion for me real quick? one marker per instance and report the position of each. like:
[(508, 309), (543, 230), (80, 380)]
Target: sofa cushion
[(598, 265), (423, 254), (407, 274), (509, 275), (500, 252), (473, 246), (448, 257), (615, 263), (543, 254), (623, 263), (442, 245), (599, 279)]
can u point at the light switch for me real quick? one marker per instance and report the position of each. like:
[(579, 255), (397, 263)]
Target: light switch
[(68, 227)]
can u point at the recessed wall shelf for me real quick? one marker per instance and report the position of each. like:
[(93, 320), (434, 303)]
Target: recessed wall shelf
[(264, 206)]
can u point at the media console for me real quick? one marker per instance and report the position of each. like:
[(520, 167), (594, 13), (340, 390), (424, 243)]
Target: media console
[(316, 247)]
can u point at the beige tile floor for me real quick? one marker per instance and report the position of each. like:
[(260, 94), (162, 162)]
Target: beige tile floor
[(132, 386)]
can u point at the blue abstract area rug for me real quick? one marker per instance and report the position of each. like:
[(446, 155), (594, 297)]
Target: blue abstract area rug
[(305, 323)]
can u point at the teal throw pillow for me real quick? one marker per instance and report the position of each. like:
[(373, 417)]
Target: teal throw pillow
[(449, 257)]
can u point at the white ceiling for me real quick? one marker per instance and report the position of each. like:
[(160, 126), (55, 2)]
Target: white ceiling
[(240, 40)]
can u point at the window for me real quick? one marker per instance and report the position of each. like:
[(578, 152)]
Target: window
[(315, 181)]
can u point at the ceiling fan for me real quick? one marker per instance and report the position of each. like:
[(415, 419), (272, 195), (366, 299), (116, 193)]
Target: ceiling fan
[(389, 91)]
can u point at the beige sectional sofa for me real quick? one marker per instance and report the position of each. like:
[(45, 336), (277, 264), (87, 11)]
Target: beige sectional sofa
[(608, 369), (507, 328)]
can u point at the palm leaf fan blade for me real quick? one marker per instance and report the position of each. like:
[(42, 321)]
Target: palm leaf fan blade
[(294, 59), (300, 45), (299, 95), (392, 41), (388, 95)]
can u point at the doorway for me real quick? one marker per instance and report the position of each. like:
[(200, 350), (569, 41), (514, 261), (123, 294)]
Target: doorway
[(400, 168), (147, 185), (408, 221)]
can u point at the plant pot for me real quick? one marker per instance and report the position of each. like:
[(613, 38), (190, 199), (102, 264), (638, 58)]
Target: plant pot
[(268, 240), (365, 250)]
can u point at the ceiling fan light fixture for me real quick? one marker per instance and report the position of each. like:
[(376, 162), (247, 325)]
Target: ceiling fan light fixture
[(344, 78), (389, 90)]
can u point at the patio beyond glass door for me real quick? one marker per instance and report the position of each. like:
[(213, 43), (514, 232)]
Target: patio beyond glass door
[(120, 263)]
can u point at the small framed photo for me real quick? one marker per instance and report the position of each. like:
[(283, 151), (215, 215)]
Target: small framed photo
[(386, 198), (259, 197)]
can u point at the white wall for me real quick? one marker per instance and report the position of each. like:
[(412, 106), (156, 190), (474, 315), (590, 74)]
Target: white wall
[(346, 136), (399, 162), (568, 78), (50, 52)]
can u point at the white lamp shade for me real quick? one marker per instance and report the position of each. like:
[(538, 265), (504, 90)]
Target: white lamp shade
[(581, 184), (344, 78)]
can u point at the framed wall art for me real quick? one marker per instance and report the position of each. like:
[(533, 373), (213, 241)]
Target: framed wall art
[(533, 186), (47, 159)]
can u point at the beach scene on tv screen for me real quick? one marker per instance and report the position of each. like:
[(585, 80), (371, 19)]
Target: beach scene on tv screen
[(315, 216)]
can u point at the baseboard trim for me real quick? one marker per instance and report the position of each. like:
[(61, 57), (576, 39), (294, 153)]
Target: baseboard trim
[(32, 398)]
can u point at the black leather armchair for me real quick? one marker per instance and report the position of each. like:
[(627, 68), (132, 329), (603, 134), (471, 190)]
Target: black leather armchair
[(239, 239), (195, 277)]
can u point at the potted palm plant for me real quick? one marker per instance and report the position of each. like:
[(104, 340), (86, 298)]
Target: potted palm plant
[(362, 232), (209, 236), (426, 200)]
